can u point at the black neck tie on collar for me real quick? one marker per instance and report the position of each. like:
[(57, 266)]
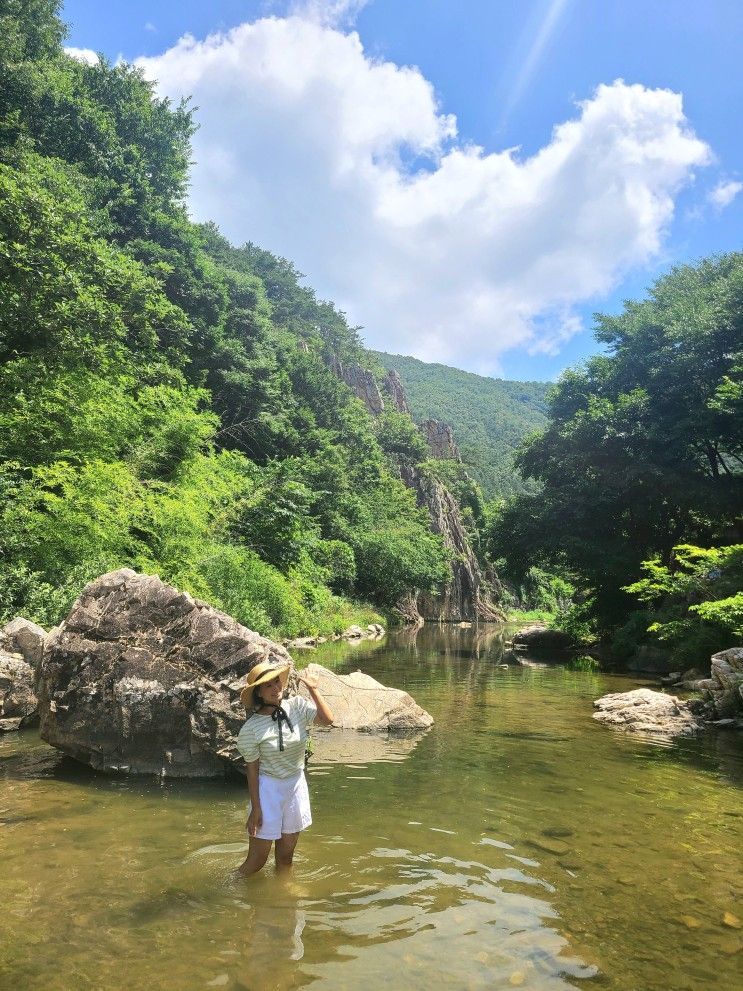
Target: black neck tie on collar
[(278, 715)]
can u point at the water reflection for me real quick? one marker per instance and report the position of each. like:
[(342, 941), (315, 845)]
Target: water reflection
[(350, 747), (516, 844)]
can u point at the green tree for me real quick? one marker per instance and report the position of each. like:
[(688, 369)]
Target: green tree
[(642, 450)]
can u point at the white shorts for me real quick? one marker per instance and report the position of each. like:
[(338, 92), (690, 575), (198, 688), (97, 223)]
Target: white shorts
[(285, 804)]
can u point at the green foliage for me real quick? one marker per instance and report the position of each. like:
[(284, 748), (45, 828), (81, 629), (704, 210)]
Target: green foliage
[(643, 448), (399, 436), (542, 590), (489, 417), (167, 400), (695, 602)]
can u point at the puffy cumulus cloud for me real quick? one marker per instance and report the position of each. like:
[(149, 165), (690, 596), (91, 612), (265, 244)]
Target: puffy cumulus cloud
[(82, 54), (724, 193), (348, 166)]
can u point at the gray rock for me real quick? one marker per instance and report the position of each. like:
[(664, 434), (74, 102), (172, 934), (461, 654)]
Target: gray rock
[(723, 690), (362, 382), (395, 391), (144, 679), (539, 637), (645, 711), (18, 703), (25, 638), (361, 703), (339, 746), (468, 595), (440, 440)]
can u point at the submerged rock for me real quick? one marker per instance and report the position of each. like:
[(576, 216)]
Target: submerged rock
[(18, 703), (361, 703), (142, 678), (645, 711)]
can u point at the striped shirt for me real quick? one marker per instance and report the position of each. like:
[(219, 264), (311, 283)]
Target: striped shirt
[(259, 739)]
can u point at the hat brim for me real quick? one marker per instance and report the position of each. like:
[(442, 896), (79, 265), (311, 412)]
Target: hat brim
[(282, 672)]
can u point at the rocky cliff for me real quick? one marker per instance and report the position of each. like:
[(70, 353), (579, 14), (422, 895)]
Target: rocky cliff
[(469, 595)]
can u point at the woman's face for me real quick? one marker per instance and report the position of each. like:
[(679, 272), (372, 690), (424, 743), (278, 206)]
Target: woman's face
[(271, 691)]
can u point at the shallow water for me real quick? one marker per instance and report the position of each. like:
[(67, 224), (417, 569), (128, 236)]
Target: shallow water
[(516, 844)]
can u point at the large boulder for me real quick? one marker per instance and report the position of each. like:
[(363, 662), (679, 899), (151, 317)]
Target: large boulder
[(142, 678), (18, 704), (539, 638), (27, 638), (646, 711), (361, 703)]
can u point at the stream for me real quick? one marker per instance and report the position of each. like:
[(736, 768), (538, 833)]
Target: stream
[(515, 844)]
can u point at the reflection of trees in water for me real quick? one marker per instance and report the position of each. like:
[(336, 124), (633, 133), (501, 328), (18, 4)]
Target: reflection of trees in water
[(479, 640)]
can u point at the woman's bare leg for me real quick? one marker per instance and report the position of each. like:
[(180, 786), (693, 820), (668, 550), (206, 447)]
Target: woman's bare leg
[(258, 852), (284, 850)]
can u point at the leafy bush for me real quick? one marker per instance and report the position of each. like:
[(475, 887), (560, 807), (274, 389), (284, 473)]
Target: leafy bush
[(695, 602)]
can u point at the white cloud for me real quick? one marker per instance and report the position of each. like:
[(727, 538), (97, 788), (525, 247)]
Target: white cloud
[(724, 193), (83, 55), (152, 28), (305, 147)]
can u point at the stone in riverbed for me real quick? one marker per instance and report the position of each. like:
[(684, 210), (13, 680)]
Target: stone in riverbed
[(142, 678), (645, 711), (539, 637), (359, 702)]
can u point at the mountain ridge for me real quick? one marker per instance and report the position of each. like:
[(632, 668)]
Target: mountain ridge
[(490, 417)]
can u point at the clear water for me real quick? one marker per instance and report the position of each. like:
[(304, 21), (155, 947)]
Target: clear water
[(516, 844)]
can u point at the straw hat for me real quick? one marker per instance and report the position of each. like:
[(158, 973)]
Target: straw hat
[(260, 673)]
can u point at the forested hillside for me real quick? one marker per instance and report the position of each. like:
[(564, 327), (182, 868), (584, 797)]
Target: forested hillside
[(490, 417), (165, 398)]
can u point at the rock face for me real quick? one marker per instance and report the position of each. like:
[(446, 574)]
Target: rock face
[(466, 597), (395, 391), (361, 703), (362, 382), (440, 440), (723, 690), (144, 679), (18, 705), (540, 638), (645, 711)]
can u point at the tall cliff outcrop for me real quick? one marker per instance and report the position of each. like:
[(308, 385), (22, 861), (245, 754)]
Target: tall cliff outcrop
[(395, 391), (362, 382), (469, 595), (440, 440)]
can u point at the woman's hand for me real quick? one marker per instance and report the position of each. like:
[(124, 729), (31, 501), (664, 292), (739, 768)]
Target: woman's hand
[(255, 821), (324, 712)]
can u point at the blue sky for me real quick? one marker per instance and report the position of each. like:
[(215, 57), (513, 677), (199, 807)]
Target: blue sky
[(404, 153)]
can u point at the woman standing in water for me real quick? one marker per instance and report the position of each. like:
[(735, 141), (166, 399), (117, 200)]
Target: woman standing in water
[(272, 743)]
